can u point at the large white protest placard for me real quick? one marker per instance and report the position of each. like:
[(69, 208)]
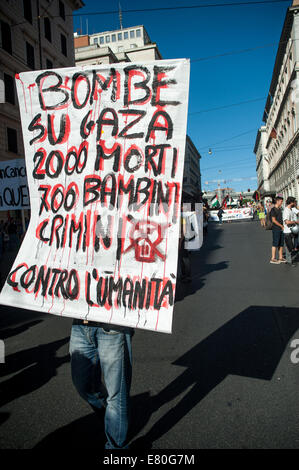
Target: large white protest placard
[(14, 193), (104, 150)]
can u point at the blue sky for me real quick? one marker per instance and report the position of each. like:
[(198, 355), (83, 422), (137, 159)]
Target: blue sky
[(217, 82)]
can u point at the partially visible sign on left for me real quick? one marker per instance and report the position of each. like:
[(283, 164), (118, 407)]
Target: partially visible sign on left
[(14, 193)]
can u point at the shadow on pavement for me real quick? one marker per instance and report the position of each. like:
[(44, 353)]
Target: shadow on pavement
[(32, 369), (9, 332), (4, 417), (84, 433), (17, 318), (250, 345), (199, 265)]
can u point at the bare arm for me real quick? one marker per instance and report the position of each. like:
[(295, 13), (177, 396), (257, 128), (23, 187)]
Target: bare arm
[(274, 221), (290, 222)]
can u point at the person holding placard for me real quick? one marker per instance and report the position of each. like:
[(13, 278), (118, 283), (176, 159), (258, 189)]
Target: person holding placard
[(98, 349)]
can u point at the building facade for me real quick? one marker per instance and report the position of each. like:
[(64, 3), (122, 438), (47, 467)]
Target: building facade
[(34, 35), (262, 162), (192, 175), (277, 144), (122, 45)]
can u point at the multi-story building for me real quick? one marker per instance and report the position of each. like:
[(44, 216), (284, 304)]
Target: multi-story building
[(122, 45), (262, 162), (34, 35), (277, 142), (192, 175)]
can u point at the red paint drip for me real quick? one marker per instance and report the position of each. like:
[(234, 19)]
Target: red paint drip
[(17, 76)]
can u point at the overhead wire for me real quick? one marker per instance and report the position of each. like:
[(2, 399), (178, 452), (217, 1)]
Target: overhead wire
[(178, 7), (231, 138), (232, 150), (238, 147), (241, 51), (227, 106), (217, 166), (185, 7), (230, 167)]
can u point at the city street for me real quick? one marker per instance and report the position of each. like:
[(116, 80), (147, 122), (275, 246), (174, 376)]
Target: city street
[(223, 379)]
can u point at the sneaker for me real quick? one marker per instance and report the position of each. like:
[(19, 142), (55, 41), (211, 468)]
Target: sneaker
[(274, 261), (282, 261)]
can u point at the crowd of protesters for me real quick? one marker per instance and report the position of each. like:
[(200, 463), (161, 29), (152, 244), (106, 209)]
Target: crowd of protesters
[(282, 218)]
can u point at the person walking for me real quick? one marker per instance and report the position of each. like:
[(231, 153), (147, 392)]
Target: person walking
[(220, 215), (184, 263), (261, 214), (205, 220), (295, 212), (277, 231), (288, 223), (100, 349)]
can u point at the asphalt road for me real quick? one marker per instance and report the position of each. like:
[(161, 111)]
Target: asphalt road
[(223, 380)]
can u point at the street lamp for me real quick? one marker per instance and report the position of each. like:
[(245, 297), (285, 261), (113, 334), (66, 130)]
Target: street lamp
[(219, 192)]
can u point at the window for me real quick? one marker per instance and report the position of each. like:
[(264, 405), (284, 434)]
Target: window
[(9, 89), (47, 26), (49, 64), (132, 34), (30, 55), (107, 39), (102, 40), (95, 40), (12, 141), (119, 36), (126, 35), (138, 33), (6, 37), (61, 10), (27, 10), (113, 37), (63, 44)]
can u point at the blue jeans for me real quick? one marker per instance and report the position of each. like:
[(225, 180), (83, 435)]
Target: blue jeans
[(101, 350)]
